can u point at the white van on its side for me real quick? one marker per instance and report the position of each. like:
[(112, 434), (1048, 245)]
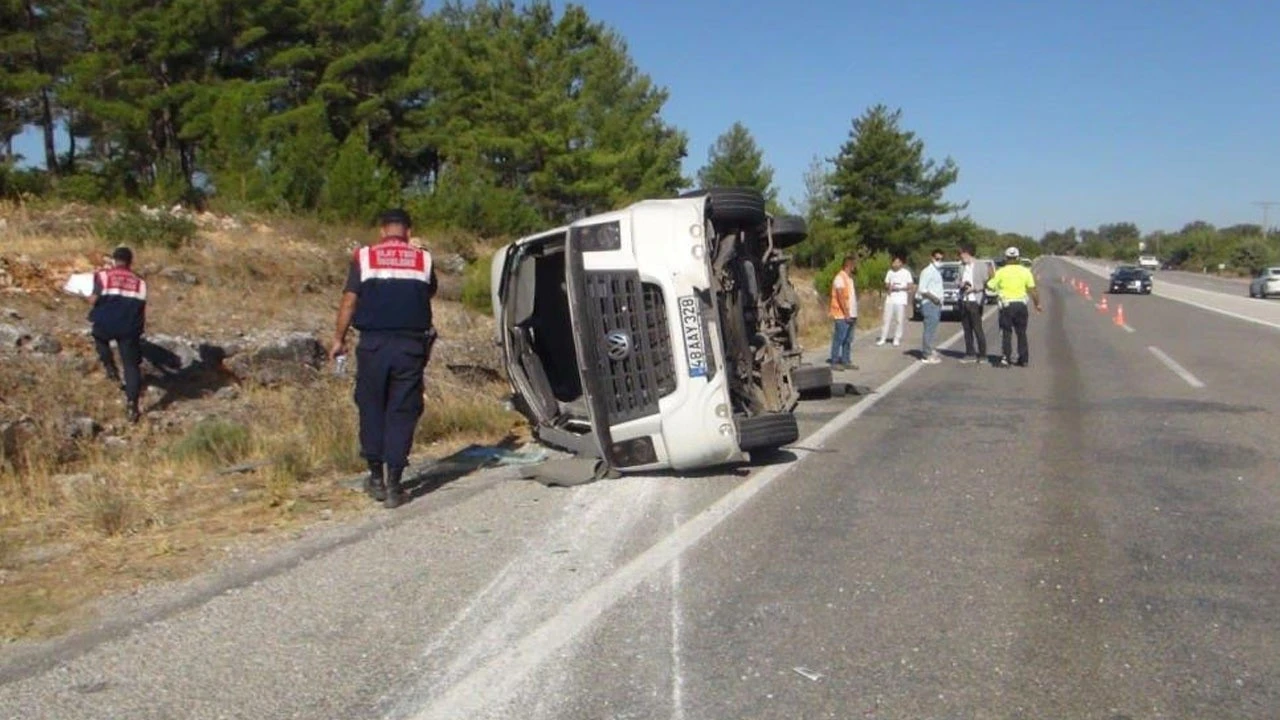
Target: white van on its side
[(661, 335)]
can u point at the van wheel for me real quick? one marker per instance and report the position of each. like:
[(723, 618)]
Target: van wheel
[(811, 378), (769, 431), (789, 230), (732, 207)]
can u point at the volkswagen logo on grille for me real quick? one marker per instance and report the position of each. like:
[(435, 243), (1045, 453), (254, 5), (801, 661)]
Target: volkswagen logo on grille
[(619, 342)]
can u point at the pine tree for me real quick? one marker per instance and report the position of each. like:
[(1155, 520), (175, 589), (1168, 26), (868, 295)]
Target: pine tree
[(358, 184), (884, 188), (735, 161)]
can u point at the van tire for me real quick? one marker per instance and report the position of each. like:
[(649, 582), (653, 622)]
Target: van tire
[(731, 208), (808, 378), (789, 230), (767, 432)]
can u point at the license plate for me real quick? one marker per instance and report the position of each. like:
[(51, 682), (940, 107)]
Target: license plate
[(948, 308), (695, 345)]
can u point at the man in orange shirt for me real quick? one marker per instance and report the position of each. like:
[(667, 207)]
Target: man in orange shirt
[(844, 315)]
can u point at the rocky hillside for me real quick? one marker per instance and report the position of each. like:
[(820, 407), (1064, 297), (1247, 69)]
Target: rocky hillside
[(244, 427)]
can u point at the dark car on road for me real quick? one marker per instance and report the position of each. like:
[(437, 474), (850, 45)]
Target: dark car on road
[(1130, 279)]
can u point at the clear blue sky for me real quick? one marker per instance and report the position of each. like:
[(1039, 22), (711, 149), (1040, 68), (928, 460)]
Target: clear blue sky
[(1058, 112)]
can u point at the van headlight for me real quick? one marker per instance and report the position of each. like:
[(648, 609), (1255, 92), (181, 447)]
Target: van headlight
[(630, 453)]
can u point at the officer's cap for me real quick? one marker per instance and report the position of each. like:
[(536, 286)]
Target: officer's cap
[(1012, 253), (122, 254), (395, 216)]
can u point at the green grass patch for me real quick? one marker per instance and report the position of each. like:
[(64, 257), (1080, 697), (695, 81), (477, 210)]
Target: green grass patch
[(213, 441)]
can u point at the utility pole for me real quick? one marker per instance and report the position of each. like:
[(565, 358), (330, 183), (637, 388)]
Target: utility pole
[(1265, 205)]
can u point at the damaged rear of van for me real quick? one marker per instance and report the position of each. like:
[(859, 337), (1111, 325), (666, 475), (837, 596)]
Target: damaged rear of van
[(661, 335)]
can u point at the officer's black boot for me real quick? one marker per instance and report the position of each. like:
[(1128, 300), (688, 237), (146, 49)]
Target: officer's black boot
[(373, 486), (395, 495), (132, 412)]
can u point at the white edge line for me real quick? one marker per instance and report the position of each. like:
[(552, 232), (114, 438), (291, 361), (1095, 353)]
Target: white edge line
[(500, 678), (1128, 329), (1178, 370), (1220, 311)]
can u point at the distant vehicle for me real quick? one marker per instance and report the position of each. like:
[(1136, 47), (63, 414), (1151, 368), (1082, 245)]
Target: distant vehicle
[(1267, 284), (1130, 279), (1149, 262), (950, 291)]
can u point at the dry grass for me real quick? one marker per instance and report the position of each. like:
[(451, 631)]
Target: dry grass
[(164, 505)]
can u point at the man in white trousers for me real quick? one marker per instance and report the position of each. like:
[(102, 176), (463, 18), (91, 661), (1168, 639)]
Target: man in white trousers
[(898, 283)]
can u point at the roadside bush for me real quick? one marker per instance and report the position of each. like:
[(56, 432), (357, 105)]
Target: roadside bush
[(1252, 255), (868, 275), (145, 231), (476, 288), (213, 441), (465, 199), (17, 183), (871, 271), (85, 188)]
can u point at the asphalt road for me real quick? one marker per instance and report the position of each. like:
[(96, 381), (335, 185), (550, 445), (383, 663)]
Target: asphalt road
[(1225, 296), (1095, 536)]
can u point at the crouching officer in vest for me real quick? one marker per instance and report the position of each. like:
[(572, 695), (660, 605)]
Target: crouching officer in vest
[(119, 313), (388, 299)]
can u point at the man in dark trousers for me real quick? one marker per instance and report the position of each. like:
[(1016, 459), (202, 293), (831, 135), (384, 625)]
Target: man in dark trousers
[(1015, 284), (388, 299), (119, 313), (973, 285)]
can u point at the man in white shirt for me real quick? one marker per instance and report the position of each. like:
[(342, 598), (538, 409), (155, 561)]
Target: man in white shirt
[(898, 283), (931, 293)]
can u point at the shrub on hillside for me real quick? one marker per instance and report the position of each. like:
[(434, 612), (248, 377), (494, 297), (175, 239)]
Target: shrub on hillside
[(16, 183), (465, 199), (88, 188), (136, 229), (476, 287), (213, 441)]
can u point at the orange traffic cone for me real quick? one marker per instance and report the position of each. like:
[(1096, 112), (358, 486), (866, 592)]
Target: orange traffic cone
[(1120, 315), (1087, 294), (1102, 306)]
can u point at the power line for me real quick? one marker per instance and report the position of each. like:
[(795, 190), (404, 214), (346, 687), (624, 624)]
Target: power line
[(1266, 206)]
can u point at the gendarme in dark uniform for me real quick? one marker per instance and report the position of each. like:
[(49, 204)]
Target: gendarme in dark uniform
[(120, 313), (388, 299)]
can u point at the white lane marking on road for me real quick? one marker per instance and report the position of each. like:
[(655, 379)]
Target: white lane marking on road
[(1220, 311), (1177, 369), (1238, 316), (1128, 329), (500, 677), (677, 622)]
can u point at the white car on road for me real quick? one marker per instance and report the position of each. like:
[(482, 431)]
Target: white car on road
[(1149, 262), (1266, 284)]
